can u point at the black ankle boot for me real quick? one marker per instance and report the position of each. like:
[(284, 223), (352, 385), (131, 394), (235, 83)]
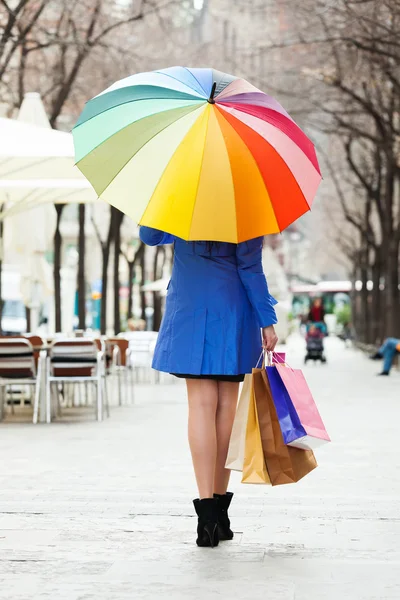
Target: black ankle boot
[(207, 528), (224, 525)]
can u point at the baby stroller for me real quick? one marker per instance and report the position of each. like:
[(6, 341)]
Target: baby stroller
[(315, 342)]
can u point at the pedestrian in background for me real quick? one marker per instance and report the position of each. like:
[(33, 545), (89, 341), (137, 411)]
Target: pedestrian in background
[(217, 302), (388, 350), (317, 312)]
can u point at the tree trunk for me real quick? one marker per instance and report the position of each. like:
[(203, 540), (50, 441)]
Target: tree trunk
[(131, 271), (105, 251), (394, 262), (157, 273), (364, 305), (1, 270), (118, 218), (57, 268), (376, 309), (142, 282), (390, 292), (81, 269), (28, 319), (157, 303)]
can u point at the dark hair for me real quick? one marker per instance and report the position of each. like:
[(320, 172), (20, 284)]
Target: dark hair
[(209, 245)]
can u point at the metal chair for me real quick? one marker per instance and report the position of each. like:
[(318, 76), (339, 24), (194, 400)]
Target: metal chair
[(118, 353), (76, 360), (17, 367), (141, 346)]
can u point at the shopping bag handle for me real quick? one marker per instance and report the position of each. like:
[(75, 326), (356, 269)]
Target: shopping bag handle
[(267, 359), (262, 356)]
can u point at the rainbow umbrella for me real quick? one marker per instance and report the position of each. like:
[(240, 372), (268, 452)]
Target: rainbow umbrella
[(197, 153)]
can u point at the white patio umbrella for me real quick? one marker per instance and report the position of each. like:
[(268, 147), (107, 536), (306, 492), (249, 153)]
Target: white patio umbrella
[(20, 195), (160, 285), (36, 170), (37, 166)]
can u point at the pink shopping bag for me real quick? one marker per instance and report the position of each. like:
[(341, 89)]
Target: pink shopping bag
[(315, 433)]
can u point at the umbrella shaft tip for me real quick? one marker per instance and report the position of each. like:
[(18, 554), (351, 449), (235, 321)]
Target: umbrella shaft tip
[(211, 98)]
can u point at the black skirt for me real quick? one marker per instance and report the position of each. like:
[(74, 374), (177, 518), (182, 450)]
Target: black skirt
[(231, 378)]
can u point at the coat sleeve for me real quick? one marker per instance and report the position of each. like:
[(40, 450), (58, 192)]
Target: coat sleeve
[(154, 237), (249, 265)]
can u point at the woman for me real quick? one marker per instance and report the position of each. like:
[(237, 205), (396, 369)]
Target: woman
[(217, 301), (317, 312)]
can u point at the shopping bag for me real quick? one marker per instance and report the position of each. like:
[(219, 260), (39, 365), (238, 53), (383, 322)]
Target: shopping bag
[(235, 456), (299, 419), (278, 357), (284, 463), (254, 469)]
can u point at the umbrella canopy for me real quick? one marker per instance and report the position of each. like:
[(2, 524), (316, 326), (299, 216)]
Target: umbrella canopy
[(23, 194), (37, 166), (34, 152), (197, 153), (160, 285)]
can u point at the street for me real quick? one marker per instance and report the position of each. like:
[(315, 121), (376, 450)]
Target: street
[(104, 511)]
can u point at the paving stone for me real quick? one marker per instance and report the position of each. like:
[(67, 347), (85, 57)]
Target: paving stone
[(103, 511)]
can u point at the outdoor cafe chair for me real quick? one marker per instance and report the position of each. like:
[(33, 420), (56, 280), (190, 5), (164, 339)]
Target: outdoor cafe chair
[(18, 367), (76, 361), (141, 346), (118, 354)]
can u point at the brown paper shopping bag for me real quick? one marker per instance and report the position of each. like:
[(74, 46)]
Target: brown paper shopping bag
[(235, 456), (285, 464), (254, 469)]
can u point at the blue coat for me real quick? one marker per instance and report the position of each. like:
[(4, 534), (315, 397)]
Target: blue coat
[(216, 303)]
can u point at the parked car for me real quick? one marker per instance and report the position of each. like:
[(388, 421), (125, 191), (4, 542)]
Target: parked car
[(13, 320)]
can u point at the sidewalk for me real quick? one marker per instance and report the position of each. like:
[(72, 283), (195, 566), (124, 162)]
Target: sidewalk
[(93, 511)]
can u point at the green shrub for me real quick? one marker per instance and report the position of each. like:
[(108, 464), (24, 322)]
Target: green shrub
[(343, 315)]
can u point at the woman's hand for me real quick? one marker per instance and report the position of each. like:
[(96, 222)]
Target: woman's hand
[(270, 339)]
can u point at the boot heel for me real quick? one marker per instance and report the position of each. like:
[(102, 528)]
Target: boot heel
[(224, 525), (211, 530), (207, 525)]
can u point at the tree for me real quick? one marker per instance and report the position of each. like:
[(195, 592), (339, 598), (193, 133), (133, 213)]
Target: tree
[(81, 269), (132, 264), (349, 55), (364, 109), (57, 267), (54, 45), (1, 270), (142, 282), (118, 217), (16, 24), (105, 246), (158, 264)]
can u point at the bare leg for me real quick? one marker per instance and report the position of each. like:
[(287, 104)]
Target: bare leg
[(203, 400), (227, 401)]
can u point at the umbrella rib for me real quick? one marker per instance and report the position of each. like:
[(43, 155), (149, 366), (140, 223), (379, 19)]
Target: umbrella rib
[(6, 211), (232, 180), (258, 169), (163, 73), (281, 157), (179, 81), (33, 164), (141, 148), (133, 123), (276, 151), (200, 170), (194, 76), (131, 101), (16, 206), (292, 123)]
